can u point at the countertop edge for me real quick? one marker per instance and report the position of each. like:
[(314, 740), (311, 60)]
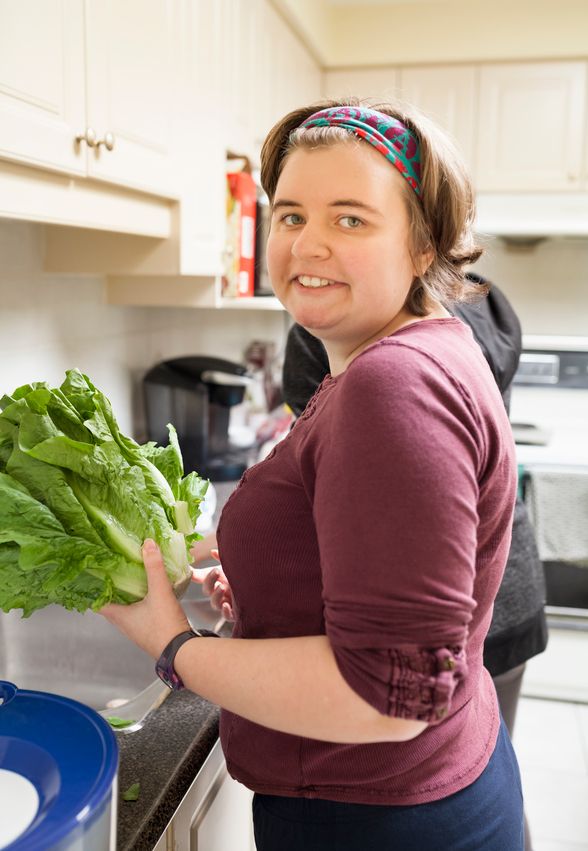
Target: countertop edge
[(165, 773)]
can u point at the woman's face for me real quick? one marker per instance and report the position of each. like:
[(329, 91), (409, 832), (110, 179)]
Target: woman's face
[(339, 220)]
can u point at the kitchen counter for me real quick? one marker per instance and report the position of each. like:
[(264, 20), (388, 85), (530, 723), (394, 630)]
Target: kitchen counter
[(164, 756), (167, 753)]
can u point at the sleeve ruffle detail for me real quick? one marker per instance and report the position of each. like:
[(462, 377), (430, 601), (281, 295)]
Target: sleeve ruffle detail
[(404, 682), (422, 682)]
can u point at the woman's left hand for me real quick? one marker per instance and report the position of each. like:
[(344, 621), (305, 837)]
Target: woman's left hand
[(158, 617)]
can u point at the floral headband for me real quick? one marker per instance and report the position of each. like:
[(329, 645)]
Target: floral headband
[(387, 134)]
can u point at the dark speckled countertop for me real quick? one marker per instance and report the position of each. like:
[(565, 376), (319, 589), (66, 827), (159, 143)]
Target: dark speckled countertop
[(164, 756), (167, 753)]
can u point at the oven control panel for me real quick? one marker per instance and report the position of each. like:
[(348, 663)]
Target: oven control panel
[(555, 369)]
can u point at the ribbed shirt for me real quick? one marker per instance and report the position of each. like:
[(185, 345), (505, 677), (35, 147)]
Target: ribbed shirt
[(383, 521)]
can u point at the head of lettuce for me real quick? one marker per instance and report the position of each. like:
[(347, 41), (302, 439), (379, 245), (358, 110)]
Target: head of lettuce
[(78, 498)]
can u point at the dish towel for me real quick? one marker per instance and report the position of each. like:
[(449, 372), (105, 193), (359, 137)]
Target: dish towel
[(557, 500)]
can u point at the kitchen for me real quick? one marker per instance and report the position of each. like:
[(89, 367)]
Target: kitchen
[(112, 260)]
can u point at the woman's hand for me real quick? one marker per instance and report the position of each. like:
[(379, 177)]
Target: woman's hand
[(158, 617), (215, 585), (201, 550)]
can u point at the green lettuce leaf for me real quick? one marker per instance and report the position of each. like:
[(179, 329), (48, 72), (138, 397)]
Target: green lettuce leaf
[(78, 498)]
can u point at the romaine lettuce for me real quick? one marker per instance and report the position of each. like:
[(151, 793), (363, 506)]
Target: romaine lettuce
[(78, 498)]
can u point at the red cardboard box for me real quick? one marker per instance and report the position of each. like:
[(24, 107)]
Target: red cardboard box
[(241, 223)]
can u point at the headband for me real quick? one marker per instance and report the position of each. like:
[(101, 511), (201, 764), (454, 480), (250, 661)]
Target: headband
[(388, 135)]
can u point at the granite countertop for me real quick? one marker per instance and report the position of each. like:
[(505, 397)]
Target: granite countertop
[(167, 753), (164, 756)]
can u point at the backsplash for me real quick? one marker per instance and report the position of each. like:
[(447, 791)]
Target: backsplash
[(50, 323), (547, 285)]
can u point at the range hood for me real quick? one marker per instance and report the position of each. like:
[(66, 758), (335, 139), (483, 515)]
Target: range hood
[(532, 214)]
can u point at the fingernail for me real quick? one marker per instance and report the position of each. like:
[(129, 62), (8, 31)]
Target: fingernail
[(149, 545)]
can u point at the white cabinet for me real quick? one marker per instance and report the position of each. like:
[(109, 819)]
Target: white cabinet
[(447, 93), (531, 123), (132, 89), (370, 83), (250, 69), (289, 76), (70, 68), (214, 815), (42, 93)]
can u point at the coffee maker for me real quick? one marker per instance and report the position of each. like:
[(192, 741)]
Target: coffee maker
[(195, 393)]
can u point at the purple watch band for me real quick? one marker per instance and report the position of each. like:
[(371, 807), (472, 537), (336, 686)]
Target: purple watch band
[(164, 667)]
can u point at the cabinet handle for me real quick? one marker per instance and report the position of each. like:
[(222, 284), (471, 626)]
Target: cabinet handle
[(108, 141), (89, 137)]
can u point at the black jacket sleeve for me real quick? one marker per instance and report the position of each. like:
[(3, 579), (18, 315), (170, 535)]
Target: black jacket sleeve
[(305, 365)]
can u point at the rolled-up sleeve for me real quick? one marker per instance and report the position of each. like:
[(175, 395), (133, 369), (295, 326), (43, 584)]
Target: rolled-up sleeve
[(395, 507)]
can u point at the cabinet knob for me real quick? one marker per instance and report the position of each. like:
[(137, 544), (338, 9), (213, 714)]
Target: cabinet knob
[(89, 137), (572, 177), (108, 141)]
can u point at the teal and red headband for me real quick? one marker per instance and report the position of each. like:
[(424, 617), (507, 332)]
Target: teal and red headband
[(388, 135)]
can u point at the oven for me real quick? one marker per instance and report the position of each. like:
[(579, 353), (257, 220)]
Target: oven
[(549, 416)]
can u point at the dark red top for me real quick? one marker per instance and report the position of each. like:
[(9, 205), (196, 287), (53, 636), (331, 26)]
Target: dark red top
[(382, 520)]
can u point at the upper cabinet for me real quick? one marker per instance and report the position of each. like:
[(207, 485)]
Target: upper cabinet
[(86, 91), (448, 94), (531, 124), (42, 83), (249, 69), (520, 126), (132, 86)]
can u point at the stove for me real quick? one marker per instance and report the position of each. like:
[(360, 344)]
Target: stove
[(549, 415)]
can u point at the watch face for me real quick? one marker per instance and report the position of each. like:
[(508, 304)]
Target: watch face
[(170, 678)]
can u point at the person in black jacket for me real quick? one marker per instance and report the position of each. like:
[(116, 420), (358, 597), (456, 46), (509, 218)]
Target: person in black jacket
[(518, 630)]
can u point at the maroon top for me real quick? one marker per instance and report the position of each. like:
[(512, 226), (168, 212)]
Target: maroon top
[(382, 520)]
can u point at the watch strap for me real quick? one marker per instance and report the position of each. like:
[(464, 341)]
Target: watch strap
[(164, 667)]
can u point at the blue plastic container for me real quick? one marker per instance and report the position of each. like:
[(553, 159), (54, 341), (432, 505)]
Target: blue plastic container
[(60, 758)]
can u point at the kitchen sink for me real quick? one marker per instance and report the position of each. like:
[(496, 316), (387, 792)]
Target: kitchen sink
[(83, 656)]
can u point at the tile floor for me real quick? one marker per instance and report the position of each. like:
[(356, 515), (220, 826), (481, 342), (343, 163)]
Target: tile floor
[(551, 742)]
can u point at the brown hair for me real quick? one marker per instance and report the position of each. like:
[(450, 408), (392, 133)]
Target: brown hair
[(440, 221)]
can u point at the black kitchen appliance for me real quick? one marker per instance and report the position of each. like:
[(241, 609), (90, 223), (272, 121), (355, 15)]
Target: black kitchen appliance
[(195, 393)]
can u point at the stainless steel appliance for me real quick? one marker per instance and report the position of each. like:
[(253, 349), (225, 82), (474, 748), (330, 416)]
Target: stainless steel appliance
[(549, 413)]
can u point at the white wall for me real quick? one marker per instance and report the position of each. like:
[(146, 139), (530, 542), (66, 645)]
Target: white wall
[(548, 285), (50, 323)]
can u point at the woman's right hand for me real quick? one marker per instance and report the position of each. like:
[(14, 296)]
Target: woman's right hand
[(215, 586)]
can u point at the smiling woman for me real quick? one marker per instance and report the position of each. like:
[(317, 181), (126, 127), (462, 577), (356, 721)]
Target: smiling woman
[(362, 557)]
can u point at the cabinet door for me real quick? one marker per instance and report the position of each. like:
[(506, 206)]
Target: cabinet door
[(371, 83), (132, 92), (448, 95), (531, 122), (224, 821), (42, 83), (263, 69)]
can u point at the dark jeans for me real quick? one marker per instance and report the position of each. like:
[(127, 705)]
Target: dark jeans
[(508, 689), (485, 816)]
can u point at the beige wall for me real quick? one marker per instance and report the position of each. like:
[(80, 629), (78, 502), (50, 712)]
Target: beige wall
[(446, 31)]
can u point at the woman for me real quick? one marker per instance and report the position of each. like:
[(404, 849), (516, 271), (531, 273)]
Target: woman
[(364, 553), (518, 630)]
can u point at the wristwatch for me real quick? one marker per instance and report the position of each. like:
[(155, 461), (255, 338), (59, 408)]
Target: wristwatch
[(164, 667)]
